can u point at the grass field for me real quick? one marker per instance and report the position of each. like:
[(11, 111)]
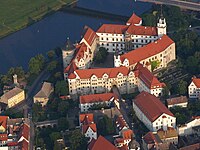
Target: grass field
[(17, 14)]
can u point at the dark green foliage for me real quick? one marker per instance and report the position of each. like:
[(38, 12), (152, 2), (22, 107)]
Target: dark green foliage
[(36, 64), (61, 88), (101, 55), (76, 140), (63, 124), (182, 87), (105, 126)]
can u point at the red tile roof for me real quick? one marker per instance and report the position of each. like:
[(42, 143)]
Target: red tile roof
[(177, 100), (142, 30), (3, 137), (111, 72), (92, 98), (3, 121), (91, 125), (12, 144), (121, 122), (102, 144), (112, 28), (81, 51), (148, 78), (134, 19), (151, 106), (70, 68), (91, 144), (127, 134), (150, 138), (86, 118), (25, 129), (89, 35), (148, 50), (196, 81), (24, 145)]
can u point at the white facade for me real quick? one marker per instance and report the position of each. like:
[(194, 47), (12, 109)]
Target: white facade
[(163, 121), (162, 27), (90, 134), (180, 105), (86, 106), (67, 57), (187, 128), (193, 90)]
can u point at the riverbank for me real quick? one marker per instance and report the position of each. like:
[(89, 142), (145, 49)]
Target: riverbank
[(16, 15)]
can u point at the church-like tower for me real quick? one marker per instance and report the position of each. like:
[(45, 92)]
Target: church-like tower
[(161, 25)]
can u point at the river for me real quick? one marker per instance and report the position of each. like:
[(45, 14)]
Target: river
[(16, 49)]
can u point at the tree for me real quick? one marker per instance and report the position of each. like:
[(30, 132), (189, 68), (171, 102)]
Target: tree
[(61, 88), (63, 124), (101, 55), (105, 126), (51, 54), (77, 140), (36, 64), (63, 107), (55, 136), (182, 87), (52, 65), (154, 64)]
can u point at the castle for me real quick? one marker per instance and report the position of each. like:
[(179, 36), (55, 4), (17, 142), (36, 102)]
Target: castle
[(135, 49)]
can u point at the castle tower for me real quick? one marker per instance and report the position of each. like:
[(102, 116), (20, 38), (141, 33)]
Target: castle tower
[(161, 25)]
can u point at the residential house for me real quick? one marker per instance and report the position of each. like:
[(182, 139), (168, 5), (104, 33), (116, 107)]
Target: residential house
[(42, 96), (152, 112), (194, 88), (191, 127), (88, 127), (13, 97), (89, 101), (181, 101)]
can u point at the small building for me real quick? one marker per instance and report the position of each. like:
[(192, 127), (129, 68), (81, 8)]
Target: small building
[(42, 96), (181, 101), (152, 112), (13, 97), (160, 139), (89, 101), (190, 127), (88, 127), (194, 88)]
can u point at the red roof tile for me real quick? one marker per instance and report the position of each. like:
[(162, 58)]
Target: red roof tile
[(142, 30), (148, 50), (24, 145), (3, 121), (127, 134), (92, 98), (86, 118), (70, 68), (151, 106), (81, 51), (196, 81), (102, 144), (191, 147), (91, 144), (12, 144), (91, 125), (3, 137), (134, 19), (150, 138), (112, 28), (89, 35), (111, 72), (177, 100), (121, 122), (25, 129), (148, 78)]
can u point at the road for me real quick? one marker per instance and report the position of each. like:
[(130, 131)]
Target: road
[(179, 3)]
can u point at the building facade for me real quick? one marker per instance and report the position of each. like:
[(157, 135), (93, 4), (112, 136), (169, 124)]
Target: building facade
[(13, 97), (194, 88), (88, 101), (152, 112)]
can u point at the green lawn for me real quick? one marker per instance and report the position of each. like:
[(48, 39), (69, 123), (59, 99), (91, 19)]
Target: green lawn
[(17, 14)]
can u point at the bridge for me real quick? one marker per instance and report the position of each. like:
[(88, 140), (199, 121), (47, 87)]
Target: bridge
[(179, 3), (42, 124)]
